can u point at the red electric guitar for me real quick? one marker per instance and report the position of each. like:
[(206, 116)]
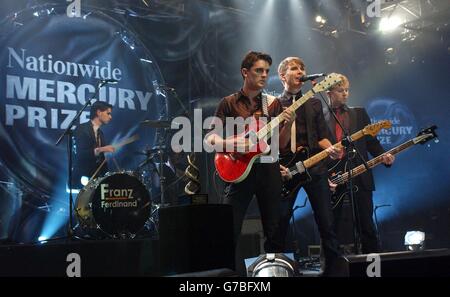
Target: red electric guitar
[(235, 166)]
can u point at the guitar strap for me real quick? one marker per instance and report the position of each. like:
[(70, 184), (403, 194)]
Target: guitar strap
[(265, 110), (265, 105)]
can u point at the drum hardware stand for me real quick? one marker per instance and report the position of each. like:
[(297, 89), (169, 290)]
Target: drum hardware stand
[(350, 152), (159, 150), (69, 133)]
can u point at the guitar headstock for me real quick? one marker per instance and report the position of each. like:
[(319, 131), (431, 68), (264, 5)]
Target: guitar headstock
[(426, 135), (373, 129), (329, 81)]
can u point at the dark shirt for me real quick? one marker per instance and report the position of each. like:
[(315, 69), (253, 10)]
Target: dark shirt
[(239, 105), (308, 113), (85, 160), (357, 118)]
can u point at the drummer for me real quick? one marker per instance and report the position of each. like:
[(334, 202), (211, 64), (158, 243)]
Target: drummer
[(90, 145)]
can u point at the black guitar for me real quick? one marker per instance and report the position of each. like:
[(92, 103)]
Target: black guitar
[(341, 178), (299, 162), (296, 180)]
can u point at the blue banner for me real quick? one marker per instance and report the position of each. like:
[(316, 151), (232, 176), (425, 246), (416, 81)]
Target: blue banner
[(50, 64)]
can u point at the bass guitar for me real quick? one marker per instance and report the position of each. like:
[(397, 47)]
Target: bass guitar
[(341, 178), (299, 174)]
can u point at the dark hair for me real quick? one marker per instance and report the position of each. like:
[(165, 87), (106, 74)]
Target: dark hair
[(99, 105), (251, 57)]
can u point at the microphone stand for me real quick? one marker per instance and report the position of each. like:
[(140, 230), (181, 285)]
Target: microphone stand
[(69, 133), (164, 147), (350, 150), (376, 223)]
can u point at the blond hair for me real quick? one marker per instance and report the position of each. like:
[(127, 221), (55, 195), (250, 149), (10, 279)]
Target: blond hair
[(344, 81), (284, 65)]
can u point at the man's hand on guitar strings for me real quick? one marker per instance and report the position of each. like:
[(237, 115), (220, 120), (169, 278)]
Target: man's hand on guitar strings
[(334, 152)]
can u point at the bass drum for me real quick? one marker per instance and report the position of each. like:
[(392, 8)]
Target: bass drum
[(117, 205)]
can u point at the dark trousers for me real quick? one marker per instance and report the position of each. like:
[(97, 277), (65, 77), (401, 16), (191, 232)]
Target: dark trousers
[(364, 211), (319, 196), (264, 181)]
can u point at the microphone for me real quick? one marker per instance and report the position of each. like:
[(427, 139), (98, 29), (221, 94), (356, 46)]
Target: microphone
[(312, 76), (166, 88), (109, 81)]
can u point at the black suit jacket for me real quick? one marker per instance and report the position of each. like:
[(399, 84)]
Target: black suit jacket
[(358, 119), (85, 161)]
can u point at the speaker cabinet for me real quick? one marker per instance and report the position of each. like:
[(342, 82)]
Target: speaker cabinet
[(196, 238), (418, 263)]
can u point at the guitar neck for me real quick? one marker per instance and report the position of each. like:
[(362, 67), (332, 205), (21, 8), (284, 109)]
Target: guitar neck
[(266, 131), (341, 179), (323, 154)]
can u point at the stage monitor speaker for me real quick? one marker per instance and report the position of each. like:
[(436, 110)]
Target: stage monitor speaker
[(196, 238), (99, 258), (409, 263)]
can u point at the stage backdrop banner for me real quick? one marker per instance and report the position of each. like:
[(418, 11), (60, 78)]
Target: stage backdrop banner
[(404, 124), (50, 64)]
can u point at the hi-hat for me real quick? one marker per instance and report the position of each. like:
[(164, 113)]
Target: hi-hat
[(151, 151), (156, 124)]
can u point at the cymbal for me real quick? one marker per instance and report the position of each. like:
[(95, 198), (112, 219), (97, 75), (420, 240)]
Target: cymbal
[(156, 124), (144, 153)]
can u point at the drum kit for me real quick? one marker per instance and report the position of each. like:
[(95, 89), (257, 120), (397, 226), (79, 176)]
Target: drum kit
[(119, 205)]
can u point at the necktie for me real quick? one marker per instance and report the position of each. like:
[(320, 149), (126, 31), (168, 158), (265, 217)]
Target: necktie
[(340, 117), (98, 142), (293, 133)]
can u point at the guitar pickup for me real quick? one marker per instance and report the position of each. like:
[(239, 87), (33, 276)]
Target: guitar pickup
[(300, 167)]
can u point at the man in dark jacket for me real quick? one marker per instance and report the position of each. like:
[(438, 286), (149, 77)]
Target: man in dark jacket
[(309, 132), (90, 144), (353, 120)]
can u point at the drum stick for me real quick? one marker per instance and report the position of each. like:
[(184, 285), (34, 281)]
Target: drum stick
[(116, 146), (96, 171), (126, 141), (117, 164)]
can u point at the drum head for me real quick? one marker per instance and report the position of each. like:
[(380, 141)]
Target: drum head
[(121, 204)]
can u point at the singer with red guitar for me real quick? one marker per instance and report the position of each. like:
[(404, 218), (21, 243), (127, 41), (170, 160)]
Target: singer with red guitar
[(264, 179)]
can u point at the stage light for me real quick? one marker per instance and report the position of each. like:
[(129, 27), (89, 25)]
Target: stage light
[(146, 61), (272, 265), (42, 238), (84, 180), (389, 24), (391, 56), (320, 19), (415, 240), (74, 191)]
